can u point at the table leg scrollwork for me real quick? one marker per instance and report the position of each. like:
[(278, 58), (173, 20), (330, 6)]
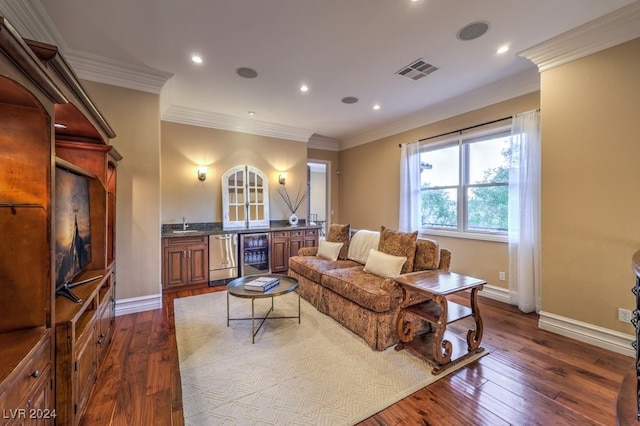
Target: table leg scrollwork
[(474, 337), (405, 329), (442, 349)]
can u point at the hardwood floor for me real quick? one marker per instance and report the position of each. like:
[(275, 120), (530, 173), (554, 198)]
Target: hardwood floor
[(530, 377)]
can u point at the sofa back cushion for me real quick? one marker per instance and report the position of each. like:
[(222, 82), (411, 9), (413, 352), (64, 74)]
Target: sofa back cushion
[(360, 244), (339, 233), (427, 255), (398, 243)]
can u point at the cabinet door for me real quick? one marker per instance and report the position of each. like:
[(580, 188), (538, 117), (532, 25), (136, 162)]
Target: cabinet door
[(176, 267), (245, 198), (296, 242), (311, 238), (105, 323), (85, 370), (279, 252), (198, 256), (40, 406)]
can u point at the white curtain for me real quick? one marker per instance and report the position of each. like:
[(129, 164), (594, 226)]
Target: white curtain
[(410, 187), (524, 211)]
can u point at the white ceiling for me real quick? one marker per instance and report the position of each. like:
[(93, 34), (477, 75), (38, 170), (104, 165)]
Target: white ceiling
[(337, 47)]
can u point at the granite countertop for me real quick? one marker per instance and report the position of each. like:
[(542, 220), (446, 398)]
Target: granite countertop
[(215, 228)]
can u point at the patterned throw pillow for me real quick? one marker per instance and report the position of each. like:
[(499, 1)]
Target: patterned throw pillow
[(398, 243), (427, 255), (340, 234)]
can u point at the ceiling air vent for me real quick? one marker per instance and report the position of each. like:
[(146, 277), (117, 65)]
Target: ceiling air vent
[(417, 69)]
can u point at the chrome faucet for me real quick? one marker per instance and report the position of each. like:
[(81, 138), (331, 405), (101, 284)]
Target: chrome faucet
[(185, 225)]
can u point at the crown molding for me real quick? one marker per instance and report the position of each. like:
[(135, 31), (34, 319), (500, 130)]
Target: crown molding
[(198, 117), (517, 85), (602, 33), (323, 142), (31, 20), (108, 71)]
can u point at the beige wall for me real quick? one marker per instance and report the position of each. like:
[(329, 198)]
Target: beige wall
[(370, 182), (135, 118), (184, 147), (590, 185), (333, 157)]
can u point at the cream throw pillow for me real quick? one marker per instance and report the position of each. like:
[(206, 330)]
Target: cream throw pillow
[(328, 250), (384, 265)]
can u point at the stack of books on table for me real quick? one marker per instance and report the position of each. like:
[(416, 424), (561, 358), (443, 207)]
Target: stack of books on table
[(261, 284)]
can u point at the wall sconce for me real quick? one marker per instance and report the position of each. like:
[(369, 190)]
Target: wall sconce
[(202, 173), (282, 178)]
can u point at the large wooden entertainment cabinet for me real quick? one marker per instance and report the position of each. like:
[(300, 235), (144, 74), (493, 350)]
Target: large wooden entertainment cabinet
[(50, 347)]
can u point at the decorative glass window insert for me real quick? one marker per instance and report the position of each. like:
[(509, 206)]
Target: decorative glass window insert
[(465, 184), (245, 198)]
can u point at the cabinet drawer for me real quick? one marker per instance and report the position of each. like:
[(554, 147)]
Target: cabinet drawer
[(311, 232), (25, 377), (296, 233), (186, 241)]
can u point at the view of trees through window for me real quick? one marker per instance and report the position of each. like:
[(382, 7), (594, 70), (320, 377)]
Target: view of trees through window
[(464, 184)]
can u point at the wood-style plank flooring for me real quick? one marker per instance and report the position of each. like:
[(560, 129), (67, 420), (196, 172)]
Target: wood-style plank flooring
[(530, 377)]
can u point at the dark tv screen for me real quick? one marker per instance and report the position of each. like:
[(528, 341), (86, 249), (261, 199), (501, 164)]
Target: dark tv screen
[(72, 225)]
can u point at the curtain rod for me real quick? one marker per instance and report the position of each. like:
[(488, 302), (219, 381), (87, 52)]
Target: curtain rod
[(463, 129)]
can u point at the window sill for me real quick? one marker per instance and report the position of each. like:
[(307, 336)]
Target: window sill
[(498, 238)]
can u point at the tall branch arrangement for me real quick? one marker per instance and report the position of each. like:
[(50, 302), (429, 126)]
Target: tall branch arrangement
[(293, 203)]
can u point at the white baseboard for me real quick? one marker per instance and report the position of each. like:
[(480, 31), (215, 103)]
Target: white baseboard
[(138, 304), (496, 293), (588, 333), (577, 330)]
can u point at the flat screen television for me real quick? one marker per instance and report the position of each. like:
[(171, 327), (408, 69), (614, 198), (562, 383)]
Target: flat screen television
[(72, 229)]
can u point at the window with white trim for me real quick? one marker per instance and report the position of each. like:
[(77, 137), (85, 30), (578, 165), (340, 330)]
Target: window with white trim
[(464, 184)]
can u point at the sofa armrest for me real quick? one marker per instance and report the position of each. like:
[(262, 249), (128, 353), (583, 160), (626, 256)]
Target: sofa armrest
[(307, 251), (445, 259)]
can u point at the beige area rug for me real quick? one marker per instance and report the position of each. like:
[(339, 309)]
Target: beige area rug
[(313, 373)]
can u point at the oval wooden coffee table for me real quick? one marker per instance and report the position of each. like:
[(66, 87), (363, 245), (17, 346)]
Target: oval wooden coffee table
[(236, 288)]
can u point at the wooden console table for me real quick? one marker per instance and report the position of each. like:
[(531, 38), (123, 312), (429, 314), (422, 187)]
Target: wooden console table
[(439, 347)]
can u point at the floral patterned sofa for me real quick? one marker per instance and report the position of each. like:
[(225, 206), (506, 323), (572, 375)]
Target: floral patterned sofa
[(353, 282)]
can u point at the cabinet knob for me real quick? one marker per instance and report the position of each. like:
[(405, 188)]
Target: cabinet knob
[(35, 374)]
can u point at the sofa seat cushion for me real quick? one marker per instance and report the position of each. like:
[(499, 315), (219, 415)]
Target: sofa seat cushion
[(312, 267), (360, 287)]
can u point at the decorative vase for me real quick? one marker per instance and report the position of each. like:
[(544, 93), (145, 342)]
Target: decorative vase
[(293, 220)]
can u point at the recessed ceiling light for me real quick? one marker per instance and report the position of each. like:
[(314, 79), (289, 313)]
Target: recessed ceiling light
[(251, 113), (349, 100), (246, 72), (502, 49), (59, 126), (197, 59), (304, 88), (376, 107)]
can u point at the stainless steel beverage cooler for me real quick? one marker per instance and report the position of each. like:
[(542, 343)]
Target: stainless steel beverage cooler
[(254, 254)]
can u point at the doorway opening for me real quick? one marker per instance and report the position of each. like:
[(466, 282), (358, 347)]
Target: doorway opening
[(319, 194)]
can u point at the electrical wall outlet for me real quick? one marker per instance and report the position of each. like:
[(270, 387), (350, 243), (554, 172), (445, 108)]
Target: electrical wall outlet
[(624, 315), (502, 276)]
